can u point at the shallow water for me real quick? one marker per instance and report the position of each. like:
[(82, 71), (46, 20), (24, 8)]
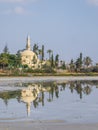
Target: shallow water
[(71, 101)]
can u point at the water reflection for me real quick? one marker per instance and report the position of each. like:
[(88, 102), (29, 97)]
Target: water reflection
[(81, 87), (35, 92), (28, 95)]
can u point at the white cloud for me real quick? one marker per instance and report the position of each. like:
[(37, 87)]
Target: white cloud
[(94, 2), (16, 1), (17, 10)]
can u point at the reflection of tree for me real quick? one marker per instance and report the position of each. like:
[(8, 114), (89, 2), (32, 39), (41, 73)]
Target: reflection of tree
[(87, 90), (57, 91), (63, 86), (35, 103), (41, 98), (72, 86), (6, 102), (79, 89), (52, 89), (6, 96), (49, 99)]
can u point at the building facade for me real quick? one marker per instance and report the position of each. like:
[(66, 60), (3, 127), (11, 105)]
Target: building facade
[(28, 57)]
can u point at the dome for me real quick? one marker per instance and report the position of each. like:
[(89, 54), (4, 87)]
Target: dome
[(28, 53)]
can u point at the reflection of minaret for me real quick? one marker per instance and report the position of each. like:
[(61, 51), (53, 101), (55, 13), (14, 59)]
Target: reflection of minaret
[(28, 43), (28, 108), (28, 100)]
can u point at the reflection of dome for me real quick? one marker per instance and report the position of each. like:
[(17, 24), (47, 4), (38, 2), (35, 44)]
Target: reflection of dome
[(28, 99), (28, 95)]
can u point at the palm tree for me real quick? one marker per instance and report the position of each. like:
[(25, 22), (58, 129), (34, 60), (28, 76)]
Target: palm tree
[(81, 62), (87, 61), (40, 54), (52, 60), (6, 50), (56, 60), (50, 52), (72, 65), (4, 60), (35, 49)]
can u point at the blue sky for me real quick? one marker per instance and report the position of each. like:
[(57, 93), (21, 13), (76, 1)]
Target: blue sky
[(68, 27)]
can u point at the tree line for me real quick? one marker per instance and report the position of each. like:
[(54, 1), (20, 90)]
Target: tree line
[(53, 63)]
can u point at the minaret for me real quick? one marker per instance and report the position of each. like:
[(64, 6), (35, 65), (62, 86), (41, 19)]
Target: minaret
[(28, 108), (28, 43)]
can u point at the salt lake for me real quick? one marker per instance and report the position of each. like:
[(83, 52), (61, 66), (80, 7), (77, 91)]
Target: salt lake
[(71, 101)]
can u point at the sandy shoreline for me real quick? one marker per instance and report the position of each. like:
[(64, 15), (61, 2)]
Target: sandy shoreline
[(45, 78), (46, 125), (59, 79)]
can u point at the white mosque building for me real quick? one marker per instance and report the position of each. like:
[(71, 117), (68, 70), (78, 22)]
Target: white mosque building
[(28, 57)]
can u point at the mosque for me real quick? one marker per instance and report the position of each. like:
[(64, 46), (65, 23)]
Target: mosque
[(28, 57)]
